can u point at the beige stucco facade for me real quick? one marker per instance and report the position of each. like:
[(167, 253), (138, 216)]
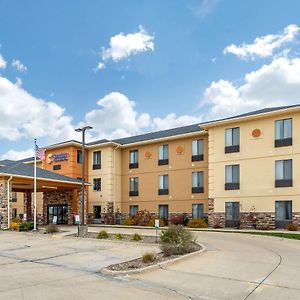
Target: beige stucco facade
[(110, 175), (256, 158), (179, 169)]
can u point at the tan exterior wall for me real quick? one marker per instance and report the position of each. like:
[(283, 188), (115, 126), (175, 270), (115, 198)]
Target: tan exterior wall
[(19, 204), (179, 169), (257, 165), (110, 178)]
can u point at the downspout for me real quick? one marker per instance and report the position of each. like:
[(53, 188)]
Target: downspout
[(8, 201), (115, 177)]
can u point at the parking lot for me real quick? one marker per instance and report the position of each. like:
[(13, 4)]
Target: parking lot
[(234, 266)]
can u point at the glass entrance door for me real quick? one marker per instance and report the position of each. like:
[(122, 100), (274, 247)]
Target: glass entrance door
[(283, 213), (58, 212), (232, 214), (97, 214)]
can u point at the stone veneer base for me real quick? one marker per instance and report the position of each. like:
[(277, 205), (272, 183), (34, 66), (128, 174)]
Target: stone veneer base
[(251, 220)]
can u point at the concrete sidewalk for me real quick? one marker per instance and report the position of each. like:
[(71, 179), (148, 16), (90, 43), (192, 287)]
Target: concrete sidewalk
[(233, 267)]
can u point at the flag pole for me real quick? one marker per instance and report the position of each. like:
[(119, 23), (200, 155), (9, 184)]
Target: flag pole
[(34, 187)]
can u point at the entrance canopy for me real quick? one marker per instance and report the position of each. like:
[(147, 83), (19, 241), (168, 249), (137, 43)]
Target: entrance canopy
[(22, 178), (19, 177)]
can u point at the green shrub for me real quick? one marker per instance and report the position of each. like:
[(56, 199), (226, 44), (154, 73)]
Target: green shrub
[(136, 237), (292, 227), (102, 235), (119, 236), (148, 257), (51, 228), (176, 240), (197, 223), (26, 226)]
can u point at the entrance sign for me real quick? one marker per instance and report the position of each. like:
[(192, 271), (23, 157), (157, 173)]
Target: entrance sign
[(54, 220), (156, 228), (77, 219), (156, 224), (57, 157)]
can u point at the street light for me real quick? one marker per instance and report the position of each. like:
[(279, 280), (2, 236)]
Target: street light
[(83, 130)]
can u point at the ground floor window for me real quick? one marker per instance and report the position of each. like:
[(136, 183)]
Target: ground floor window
[(163, 212), (232, 214), (97, 213), (197, 211), (14, 213), (133, 209), (58, 214), (283, 213)]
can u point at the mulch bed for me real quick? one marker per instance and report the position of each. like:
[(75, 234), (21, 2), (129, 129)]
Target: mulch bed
[(138, 263), (126, 238)]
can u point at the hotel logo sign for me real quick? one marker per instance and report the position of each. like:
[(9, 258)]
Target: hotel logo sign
[(57, 157)]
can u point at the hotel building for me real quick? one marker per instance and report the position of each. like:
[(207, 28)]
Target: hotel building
[(238, 171)]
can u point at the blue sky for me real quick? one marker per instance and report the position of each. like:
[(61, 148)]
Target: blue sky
[(168, 68)]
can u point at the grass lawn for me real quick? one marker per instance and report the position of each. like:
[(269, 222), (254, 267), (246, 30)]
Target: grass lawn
[(285, 235)]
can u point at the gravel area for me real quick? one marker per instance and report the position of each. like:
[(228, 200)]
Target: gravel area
[(138, 263), (126, 238)]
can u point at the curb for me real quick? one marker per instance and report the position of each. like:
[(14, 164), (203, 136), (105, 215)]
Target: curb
[(106, 271)]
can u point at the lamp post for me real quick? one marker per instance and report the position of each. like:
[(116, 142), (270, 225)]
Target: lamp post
[(83, 130)]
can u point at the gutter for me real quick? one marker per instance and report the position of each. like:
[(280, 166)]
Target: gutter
[(44, 179), (8, 201)]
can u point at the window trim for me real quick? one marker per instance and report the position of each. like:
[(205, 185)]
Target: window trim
[(202, 209), (164, 160), (97, 165), (135, 206), (284, 141), (198, 188), (100, 184), (79, 157), (284, 182), (135, 191), (232, 147), (232, 185), (135, 163), (199, 156), (164, 190)]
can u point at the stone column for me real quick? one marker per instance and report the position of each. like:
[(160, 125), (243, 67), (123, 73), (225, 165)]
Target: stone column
[(211, 212), (4, 205), (28, 205)]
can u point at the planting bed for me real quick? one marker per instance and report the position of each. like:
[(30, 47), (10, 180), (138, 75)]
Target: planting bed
[(138, 263), (126, 238)]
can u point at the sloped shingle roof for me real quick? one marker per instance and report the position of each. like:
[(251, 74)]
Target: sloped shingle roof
[(21, 169)]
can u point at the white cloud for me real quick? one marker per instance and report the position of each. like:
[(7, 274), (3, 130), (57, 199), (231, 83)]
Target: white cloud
[(23, 115), (264, 46), (172, 120), (17, 155), (2, 62), (18, 65), (117, 117), (277, 83), (123, 46), (100, 66)]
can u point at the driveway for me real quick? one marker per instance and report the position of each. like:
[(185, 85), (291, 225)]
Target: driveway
[(234, 266)]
